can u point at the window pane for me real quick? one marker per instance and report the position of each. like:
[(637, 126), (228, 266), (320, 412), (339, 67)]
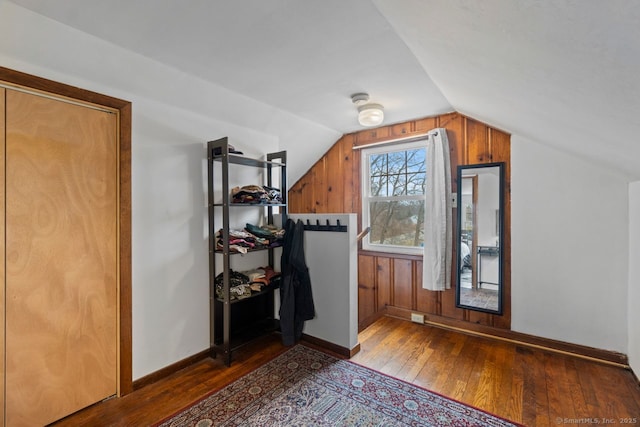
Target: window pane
[(399, 223), (377, 164), (398, 184), (416, 160), (379, 186), (415, 184), (397, 162)]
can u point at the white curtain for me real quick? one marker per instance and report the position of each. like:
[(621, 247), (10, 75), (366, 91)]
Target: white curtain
[(436, 274)]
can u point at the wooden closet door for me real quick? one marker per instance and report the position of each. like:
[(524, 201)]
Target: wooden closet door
[(61, 258)]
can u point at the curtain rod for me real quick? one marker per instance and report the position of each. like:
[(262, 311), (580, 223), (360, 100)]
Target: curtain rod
[(410, 138)]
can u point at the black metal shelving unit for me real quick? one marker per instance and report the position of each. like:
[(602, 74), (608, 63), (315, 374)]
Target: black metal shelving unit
[(234, 323)]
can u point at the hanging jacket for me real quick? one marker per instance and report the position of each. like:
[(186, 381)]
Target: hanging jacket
[(296, 299)]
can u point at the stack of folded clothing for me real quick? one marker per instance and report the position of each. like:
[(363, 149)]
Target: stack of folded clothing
[(251, 238), (256, 194), (241, 241), (270, 232), (244, 284)]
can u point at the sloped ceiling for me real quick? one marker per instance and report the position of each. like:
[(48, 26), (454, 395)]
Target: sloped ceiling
[(562, 73)]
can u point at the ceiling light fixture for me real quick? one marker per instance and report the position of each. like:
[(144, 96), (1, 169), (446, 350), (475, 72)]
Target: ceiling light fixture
[(368, 114)]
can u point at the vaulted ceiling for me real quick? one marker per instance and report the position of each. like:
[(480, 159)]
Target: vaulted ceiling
[(564, 73)]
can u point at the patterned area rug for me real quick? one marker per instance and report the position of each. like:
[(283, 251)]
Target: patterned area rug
[(305, 387)]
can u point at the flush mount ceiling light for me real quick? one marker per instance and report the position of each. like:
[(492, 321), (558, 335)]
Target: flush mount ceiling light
[(368, 114)]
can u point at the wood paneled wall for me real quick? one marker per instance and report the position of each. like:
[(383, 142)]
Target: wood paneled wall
[(392, 283)]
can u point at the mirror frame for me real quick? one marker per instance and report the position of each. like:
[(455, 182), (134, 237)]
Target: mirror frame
[(500, 218)]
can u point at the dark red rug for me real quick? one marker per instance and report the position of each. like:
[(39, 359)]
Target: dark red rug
[(305, 387)]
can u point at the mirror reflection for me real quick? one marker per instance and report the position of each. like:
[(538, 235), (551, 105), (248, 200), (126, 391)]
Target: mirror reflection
[(479, 239)]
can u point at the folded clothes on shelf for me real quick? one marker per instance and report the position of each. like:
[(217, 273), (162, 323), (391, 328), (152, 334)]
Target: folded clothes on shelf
[(256, 194), (251, 238), (246, 283), (270, 232)]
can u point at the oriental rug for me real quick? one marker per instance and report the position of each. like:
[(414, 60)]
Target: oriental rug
[(305, 387)]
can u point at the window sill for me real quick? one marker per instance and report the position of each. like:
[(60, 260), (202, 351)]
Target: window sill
[(389, 254)]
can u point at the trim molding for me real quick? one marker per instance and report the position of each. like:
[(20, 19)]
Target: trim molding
[(204, 354), (342, 351), (518, 338), (171, 369), (364, 324)]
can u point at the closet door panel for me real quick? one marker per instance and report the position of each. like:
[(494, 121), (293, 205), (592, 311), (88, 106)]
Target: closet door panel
[(61, 258)]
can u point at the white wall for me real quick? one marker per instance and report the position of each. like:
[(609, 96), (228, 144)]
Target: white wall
[(173, 116), (569, 248), (634, 277)]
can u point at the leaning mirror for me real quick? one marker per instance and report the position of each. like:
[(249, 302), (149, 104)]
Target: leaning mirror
[(479, 237)]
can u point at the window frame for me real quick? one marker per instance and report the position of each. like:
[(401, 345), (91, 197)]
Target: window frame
[(366, 199)]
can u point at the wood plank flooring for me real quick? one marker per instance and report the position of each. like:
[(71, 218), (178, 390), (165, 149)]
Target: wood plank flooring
[(529, 386)]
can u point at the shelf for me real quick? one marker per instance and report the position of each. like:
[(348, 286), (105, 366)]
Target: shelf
[(268, 289), (252, 205), (248, 334), (237, 159), (266, 248), (238, 321)]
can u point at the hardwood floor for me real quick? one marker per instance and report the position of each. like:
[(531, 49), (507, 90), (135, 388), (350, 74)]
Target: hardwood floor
[(529, 386)]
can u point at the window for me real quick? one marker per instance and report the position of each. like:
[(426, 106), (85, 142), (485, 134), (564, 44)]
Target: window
[(393, 193)]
